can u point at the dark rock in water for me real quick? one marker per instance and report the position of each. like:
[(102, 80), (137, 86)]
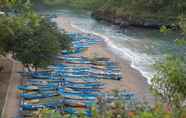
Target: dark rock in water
[(124, 24), (154, 24), (126, 21)]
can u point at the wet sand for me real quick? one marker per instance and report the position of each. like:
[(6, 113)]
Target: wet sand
[(132, 79)]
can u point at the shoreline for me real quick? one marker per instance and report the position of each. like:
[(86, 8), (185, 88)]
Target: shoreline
[(132, 81)]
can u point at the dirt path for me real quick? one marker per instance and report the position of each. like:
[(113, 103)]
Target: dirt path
[(11, 106), (5, 68)]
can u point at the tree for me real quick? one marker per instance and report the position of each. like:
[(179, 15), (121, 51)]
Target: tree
[(31, 39), (8, 28), (170, 81), (39, 44)]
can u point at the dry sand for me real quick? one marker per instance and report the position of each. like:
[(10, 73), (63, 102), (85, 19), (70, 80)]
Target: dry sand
[(132, 79)]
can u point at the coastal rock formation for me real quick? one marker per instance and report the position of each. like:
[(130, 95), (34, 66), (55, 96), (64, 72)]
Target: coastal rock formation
[(126, 21)]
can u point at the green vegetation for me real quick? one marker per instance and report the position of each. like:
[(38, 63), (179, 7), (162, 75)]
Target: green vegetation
[(146, 8), (47, 114), (80, 4), (118, 110), (165, 11), (170, 81), (30, 38)]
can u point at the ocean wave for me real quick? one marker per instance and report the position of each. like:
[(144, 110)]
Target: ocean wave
[(139, 61)]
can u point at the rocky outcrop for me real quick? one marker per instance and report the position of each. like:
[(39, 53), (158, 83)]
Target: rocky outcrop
[(126, 21)]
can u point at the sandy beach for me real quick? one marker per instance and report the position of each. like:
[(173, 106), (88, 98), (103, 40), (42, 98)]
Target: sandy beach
[(132, 81)]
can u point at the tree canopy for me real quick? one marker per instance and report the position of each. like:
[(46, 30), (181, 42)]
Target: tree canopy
[(37, 47), (31, 38)]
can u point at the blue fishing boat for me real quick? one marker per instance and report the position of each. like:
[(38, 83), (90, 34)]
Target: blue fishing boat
[(77, 62), (81, 80), (61, 66), (51, 85), (28, 88), (70, 75), (37, 96), (47, 88), (83, 90), (76, 68), (41, 75), (72, 71), (36, 88), (78, 96), (32, 107), (26, 106), (82, 86), (74, 92), (43, 81)]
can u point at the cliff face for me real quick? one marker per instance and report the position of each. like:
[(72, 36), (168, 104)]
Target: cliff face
[(126, 21)]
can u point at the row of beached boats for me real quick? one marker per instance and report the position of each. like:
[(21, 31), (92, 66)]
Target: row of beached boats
[(75, 94), (80, 42), (80, 90), (97, 68), (72, 85)]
